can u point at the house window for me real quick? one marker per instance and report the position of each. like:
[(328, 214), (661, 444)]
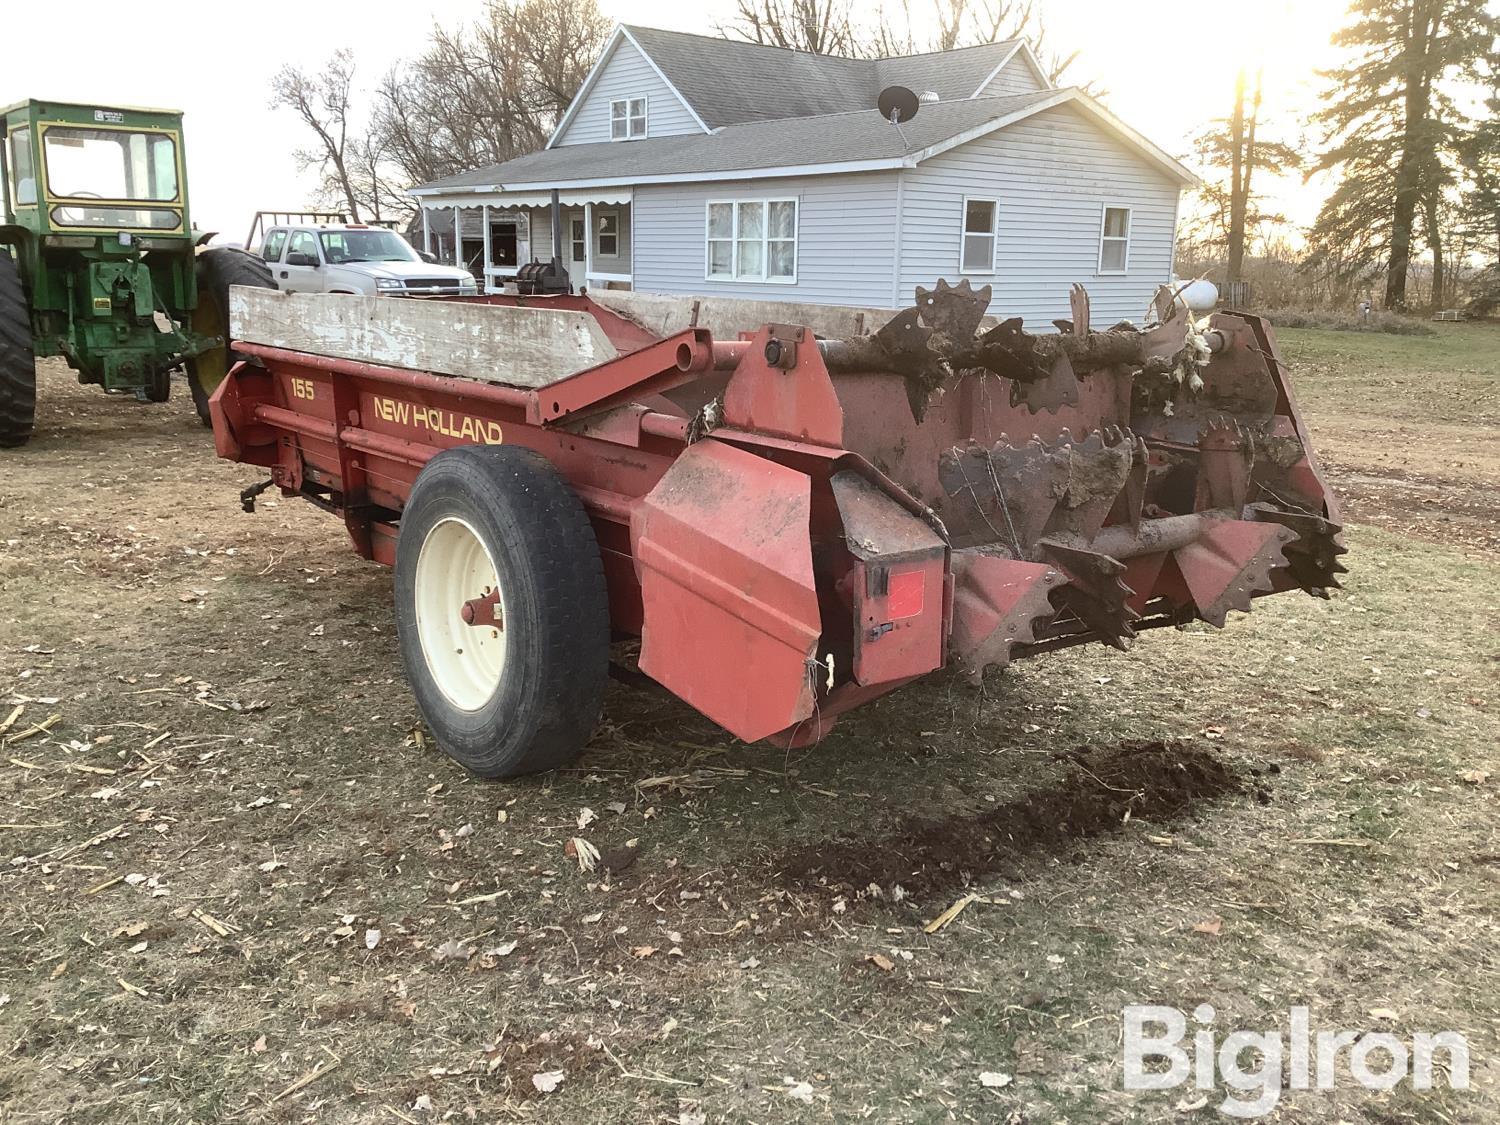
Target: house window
[(627, 119), (609, 234), (979, 236), (1114, 240), (579, 238), (752, 240)]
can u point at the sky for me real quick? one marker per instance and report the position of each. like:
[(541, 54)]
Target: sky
[(1168, 68)]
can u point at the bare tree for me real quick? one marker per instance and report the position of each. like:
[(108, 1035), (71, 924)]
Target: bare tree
[(832, 27), (322, 102), (483, 94), (823, 27)]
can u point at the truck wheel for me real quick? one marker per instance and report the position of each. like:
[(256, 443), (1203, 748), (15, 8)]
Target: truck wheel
[(17, 362), (217, 271), (501, 610)]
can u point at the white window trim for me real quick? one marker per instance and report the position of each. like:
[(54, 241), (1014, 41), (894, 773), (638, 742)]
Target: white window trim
[(964, 232), (766, 239), (578, 243), (645, 117), (1104, 211), (598, 245)]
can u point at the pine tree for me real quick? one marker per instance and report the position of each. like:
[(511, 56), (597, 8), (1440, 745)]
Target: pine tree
[(1396, 132)]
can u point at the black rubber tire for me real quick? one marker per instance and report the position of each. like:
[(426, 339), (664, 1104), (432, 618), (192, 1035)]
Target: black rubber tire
[(17, 359), (218, 269), (556, 619), (158, 386)]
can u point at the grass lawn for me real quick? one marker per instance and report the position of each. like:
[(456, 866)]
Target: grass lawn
[(240, 886)]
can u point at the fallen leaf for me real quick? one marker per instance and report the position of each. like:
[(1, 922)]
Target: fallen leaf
[(259, 1045), (1475, 777), (130, 929), (547, 1080), (994, 1079), (799, 1091), (586, 817), (423, 1104), (881, 962), (1210, 926), (1383, 1014), (269, 866), (584, 852), (452, 950), (372, 938), (643, 951)]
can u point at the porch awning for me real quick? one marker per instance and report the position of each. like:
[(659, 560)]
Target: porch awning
[(614, 195)]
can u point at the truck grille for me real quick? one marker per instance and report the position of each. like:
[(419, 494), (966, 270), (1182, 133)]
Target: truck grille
[(434, 284)]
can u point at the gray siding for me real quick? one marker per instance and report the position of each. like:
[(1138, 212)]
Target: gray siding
[(1052, 175), (627, 74), (846, 237), (1015, 77)]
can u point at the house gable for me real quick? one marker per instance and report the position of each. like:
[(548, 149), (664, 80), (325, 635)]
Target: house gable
[(624, 71), (1018, 73)]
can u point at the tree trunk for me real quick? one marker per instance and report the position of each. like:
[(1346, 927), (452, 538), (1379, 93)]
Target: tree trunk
[(1237, 199), (346, 186), (1408, 179), (1435, 244)]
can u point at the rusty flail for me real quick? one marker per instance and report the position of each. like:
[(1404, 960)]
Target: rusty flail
[(1095, 592), (1226, 460), (1312, 558), (1016, 495), (940, 338)]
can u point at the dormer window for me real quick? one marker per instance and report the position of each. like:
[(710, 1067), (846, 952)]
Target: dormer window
[(627, 119)]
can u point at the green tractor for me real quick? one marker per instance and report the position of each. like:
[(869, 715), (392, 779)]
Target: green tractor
[(99, 262)]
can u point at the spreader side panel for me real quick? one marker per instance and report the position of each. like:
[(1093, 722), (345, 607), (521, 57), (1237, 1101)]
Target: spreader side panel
[(724, 556)]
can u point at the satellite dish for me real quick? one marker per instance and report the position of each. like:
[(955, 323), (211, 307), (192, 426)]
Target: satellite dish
[(897, 104)]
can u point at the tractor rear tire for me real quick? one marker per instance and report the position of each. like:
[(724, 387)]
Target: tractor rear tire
[(217, 270), (520, 693), (17, 359)]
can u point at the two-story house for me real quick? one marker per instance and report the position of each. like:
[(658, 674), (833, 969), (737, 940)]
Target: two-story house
[(695, 165)]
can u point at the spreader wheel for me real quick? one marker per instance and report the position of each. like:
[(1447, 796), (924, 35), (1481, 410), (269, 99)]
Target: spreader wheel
[(17, 361), (217, 270), (501, 610)]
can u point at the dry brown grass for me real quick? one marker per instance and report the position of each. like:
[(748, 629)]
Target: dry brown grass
[(233, 725)]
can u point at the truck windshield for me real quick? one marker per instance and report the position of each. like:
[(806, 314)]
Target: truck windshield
[(116, 164), (366, 246)]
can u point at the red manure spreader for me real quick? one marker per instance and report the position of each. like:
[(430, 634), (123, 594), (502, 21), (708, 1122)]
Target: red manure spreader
[(794, 509)]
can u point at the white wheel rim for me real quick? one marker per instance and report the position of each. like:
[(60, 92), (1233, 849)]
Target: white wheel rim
[(454, 567)]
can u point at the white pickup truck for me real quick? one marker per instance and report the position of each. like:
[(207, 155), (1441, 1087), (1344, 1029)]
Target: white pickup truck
[(355, 258)]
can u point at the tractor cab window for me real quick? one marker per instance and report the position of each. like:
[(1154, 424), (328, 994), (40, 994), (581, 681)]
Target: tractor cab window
[(111, 164), (22, 168), (114, 165)]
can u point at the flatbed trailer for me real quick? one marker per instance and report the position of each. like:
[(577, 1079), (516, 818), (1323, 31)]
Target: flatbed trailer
[(789, 525)]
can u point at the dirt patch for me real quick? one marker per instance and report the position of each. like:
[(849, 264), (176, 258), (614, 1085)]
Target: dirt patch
[(1441, 509), (1135, 781)]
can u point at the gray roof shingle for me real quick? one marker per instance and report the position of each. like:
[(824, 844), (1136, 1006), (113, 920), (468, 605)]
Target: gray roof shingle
[(822, 139), (729, 82)]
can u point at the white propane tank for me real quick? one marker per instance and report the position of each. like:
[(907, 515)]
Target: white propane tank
[(1200, 295)]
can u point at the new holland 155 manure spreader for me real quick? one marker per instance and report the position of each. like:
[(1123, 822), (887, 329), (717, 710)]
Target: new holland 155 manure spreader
[(793, 518)]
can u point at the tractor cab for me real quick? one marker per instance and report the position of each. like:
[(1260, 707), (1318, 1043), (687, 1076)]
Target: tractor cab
[(101, 171), (98, 242)]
